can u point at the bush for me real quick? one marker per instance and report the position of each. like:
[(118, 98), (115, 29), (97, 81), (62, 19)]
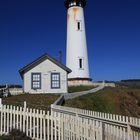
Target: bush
[(15, 135)]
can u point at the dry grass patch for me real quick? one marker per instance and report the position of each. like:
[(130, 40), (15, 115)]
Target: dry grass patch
[(39, 101), (119, 100)]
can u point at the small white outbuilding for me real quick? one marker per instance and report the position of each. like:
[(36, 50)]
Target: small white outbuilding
[(45, 75)]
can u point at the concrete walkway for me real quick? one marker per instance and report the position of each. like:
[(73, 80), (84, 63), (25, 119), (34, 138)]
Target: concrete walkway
[(67, 96), (78, 94)]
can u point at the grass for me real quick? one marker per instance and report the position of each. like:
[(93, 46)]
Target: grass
[(119, 100), (72, 89), (131, 84), (39, 101)]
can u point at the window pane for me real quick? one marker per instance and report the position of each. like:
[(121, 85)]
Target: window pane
[(57, 77), (53, 76)]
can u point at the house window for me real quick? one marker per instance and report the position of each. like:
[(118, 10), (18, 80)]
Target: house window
[(81, 63), (79, 26), (36, 80), (55, 80)]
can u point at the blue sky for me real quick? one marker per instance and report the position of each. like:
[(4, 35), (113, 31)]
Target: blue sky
[(29, 28)]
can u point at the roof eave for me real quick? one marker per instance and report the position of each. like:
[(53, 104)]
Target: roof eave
[(23, 70)]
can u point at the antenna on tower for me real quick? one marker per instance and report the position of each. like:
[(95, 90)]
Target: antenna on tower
[(60, 56)]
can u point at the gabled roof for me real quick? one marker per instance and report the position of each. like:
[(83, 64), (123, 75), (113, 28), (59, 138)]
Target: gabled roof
[(41, 59)]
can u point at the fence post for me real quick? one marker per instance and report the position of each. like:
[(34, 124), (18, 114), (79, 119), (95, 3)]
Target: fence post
[(102, 129), (51, 108), (24, 115), (77, 127), (0, 102), (25, 105), (103, 83), (1, 118), (129, 132)]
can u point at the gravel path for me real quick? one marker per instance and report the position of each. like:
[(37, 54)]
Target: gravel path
[(78, 94), (67, 96)]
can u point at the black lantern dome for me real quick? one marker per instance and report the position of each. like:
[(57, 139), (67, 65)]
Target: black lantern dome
[(71, 3)]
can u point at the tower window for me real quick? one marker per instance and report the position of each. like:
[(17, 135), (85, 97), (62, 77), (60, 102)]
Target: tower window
[(79, 26), (81, 63)]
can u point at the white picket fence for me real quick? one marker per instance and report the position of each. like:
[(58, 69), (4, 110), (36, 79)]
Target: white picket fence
[(45, 126), (62, 125), (98, 115), (111, 126)]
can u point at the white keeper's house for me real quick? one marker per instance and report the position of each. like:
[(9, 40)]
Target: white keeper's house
[(45, 75)]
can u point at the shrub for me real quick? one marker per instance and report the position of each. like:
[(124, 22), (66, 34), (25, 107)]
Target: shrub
[(15, 135)]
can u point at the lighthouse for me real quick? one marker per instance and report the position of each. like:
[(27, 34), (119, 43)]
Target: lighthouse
[(77, 54)]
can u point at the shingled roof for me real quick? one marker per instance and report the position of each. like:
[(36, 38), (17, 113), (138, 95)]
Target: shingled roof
[(41, 59)]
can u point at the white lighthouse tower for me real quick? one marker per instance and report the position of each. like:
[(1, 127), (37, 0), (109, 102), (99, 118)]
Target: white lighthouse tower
[(77, 55)]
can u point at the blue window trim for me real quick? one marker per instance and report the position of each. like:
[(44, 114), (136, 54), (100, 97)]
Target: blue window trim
[(55, 80), (35, 73)]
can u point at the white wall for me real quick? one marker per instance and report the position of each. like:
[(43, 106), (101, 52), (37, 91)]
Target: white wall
[(46, 68), (76, 43), (16, 91), (104, 84)]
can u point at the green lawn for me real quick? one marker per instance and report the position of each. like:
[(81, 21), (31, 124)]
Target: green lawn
[(119, 100), (39, 101), (72, 89)]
